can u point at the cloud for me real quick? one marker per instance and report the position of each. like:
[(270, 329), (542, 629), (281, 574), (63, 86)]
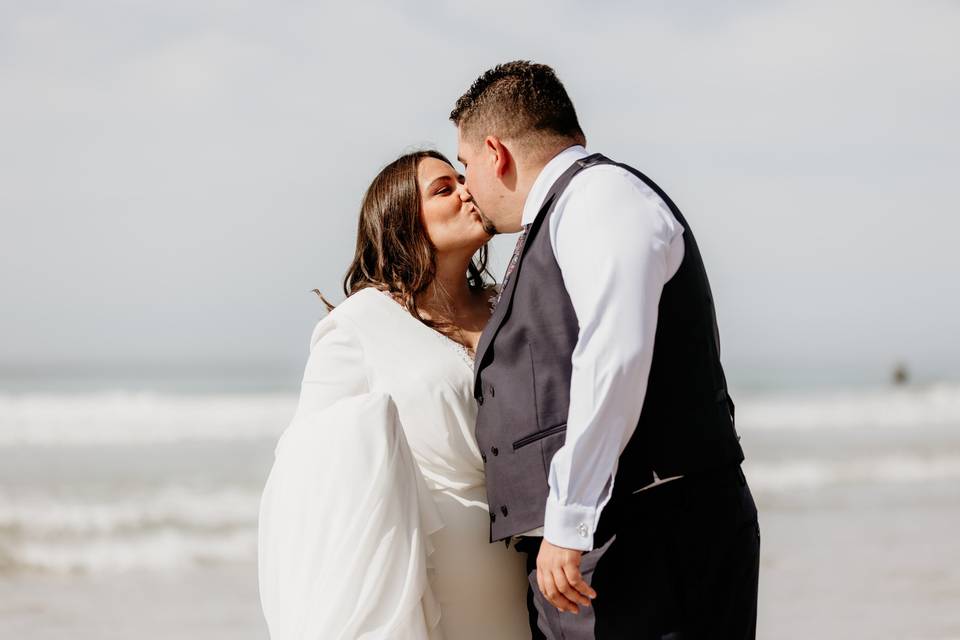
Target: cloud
[(180, 175)]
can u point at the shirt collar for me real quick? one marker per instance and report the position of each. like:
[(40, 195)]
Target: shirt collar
[(548, 175)]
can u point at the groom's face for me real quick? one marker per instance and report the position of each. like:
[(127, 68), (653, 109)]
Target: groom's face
[(486, 185)]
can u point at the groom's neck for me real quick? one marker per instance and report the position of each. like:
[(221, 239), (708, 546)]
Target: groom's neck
[(531, 161)]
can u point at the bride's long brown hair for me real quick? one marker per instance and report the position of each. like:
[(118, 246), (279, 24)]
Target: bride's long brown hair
[(394, 252)]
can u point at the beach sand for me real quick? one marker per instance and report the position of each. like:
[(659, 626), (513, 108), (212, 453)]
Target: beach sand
[(884, 570), (215, 603)]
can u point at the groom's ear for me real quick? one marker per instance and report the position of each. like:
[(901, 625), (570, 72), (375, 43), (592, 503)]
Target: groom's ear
[(498, 155)]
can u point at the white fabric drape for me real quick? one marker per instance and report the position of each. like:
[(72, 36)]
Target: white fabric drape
[(345, 521), (374, 521)]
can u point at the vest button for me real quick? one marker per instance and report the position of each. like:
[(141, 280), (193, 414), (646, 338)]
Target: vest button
[(495, 451), (503, 510), (493, 516), (492, 391)]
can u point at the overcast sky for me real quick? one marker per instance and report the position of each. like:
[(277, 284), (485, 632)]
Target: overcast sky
[(176, 176)]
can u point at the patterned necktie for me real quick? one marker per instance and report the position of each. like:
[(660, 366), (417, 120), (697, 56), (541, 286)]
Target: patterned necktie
[(514, 259)]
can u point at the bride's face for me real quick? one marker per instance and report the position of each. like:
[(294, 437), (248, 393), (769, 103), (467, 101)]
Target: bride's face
[(452, 220)]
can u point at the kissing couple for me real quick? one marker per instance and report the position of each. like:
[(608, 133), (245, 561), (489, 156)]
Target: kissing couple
[(554, 457)]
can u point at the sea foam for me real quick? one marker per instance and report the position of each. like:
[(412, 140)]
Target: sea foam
[(891, 408), (196, 505), (144, 417), (138, 418)]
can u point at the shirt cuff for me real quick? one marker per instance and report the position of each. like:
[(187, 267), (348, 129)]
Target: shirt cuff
[(570, 526)]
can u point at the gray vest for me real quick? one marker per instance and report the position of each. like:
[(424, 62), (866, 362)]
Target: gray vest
[(522, 381)]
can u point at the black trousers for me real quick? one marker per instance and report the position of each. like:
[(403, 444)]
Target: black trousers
[(678, 561)]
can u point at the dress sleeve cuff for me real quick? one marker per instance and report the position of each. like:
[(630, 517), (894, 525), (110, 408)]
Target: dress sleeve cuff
[(570, 526)]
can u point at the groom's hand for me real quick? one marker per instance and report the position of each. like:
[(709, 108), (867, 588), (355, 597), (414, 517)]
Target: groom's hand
[(558, 575)]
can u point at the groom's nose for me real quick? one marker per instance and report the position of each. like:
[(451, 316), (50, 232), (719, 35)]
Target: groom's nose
[(464, 194)]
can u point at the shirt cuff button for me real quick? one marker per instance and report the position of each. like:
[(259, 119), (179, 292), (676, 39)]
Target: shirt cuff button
[(582, 530)]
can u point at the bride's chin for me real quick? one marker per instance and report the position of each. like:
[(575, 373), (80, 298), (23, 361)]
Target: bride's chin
[(479, 242)]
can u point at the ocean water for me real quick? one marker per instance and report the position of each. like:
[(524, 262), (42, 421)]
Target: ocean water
[(133, 513)]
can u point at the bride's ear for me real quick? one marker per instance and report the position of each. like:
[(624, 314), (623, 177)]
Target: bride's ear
[(498, 154)]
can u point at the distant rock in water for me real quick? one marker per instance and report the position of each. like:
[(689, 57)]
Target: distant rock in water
[(900, 374)]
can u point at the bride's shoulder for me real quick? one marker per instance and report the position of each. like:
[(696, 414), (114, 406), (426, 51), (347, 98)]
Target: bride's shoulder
[(359, 302), (360, 313), (368, 307)]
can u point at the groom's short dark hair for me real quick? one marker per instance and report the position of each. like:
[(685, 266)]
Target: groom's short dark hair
[(515, 100)]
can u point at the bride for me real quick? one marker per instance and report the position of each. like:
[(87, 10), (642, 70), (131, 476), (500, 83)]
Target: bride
[(374, 521)]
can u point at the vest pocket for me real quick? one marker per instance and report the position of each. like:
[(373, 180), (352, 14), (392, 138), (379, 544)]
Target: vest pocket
[(548, 447), (533, 437)]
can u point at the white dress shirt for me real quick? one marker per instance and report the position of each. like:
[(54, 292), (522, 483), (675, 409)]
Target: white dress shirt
[(617, 244)]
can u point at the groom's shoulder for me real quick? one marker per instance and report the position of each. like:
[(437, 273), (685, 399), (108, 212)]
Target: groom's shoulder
[(615, 187), (608, 173), (610, 180)]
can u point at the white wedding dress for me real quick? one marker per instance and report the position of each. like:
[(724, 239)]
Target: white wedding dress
[(374, 521)]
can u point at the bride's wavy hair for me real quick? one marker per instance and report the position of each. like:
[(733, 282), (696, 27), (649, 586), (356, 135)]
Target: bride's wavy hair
[(394, 252)]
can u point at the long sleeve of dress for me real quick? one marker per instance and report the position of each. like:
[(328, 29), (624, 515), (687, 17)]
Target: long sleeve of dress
[(345, 516)]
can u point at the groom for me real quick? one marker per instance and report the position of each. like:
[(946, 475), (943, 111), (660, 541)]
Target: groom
[(604, 420)]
